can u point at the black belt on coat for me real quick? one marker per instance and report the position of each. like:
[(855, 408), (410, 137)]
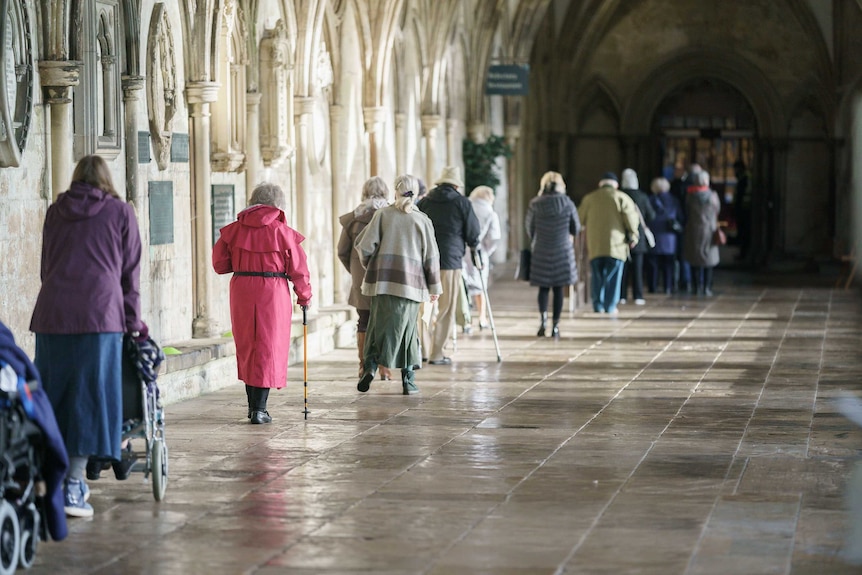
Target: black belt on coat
[(264, 274)]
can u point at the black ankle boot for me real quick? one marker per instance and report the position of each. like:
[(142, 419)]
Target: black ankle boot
[(555, 331), (543, 320), (259, 414)]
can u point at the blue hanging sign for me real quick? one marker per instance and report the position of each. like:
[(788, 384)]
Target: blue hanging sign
[(508, 80)]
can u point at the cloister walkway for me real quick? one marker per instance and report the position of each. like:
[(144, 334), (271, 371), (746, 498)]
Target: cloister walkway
[(688, 436)]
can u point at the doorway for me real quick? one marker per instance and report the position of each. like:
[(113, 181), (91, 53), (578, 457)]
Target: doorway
[(710, 123)]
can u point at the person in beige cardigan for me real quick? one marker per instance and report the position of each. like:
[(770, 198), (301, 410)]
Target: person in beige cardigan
[(375, 195)]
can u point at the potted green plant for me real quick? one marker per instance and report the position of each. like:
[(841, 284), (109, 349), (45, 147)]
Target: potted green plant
[(480, 162)]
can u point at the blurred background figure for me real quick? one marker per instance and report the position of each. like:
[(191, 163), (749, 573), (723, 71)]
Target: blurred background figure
[(633, 270), (667, 227), (482, 198), (701, 220)]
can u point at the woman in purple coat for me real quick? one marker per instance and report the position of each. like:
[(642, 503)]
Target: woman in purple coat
[(666, 226), (91, 253)]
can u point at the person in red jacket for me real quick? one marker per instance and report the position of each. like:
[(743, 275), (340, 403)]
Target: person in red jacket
[(263, 253)]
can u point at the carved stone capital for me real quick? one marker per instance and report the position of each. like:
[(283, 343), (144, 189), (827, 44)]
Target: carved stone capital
[(512, 133), (476, 132), (202, 92), (131, 86), (57, 76), (303, 106), (374, 117), (252, 100), (430, 123)]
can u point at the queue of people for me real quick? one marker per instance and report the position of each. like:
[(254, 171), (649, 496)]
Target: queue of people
[(635, 240), (409, 264)]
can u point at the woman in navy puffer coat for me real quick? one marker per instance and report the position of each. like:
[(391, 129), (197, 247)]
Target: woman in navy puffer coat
[(552, 220)]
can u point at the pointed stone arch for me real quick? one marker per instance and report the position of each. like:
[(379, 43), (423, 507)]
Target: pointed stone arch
[(705, 63)]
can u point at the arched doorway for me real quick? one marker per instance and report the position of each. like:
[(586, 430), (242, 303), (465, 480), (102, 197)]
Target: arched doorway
[(709, 122)]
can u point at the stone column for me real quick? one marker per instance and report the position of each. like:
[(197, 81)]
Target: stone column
[(374, 118), (430, 123), (199, 96), (514, 215), (400, 143), (57, 77), (303, 108), (132, 86), (340, 198), (252, 142), (452, 142)]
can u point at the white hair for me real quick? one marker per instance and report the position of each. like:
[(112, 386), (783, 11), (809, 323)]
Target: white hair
[(629, 180)]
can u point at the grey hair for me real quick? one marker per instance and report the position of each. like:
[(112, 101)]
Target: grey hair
[(700, 178), (629, 180), (268, 195), (406, 184), (375, 187), (659, 185), (483, 193)]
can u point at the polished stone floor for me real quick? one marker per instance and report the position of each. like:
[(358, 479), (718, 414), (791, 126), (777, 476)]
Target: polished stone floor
[(687, 436)]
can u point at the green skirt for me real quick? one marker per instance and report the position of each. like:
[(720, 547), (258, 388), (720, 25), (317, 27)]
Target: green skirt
[(392, 338)]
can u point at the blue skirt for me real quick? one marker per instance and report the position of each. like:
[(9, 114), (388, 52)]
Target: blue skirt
[(82, 376)]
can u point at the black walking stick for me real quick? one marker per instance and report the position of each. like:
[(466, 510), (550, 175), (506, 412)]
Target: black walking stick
[(477, 261), (305, 360)]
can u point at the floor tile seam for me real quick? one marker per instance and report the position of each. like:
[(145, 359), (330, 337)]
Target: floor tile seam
[(507, 497), (420, 460), (699, 543), (561, 567), (797, 518)]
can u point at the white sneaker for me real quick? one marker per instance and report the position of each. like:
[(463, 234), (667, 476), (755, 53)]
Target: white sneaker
[(640, 302), (623, 301)]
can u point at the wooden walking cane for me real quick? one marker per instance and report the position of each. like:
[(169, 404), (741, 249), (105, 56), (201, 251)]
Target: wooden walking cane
[(305, 360)]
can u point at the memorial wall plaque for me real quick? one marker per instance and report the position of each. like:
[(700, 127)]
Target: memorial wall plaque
[(180, 148), (144, 148), (222, 208), (161, 213)]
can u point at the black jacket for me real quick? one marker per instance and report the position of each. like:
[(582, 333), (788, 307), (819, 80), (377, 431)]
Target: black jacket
[(455, 224)]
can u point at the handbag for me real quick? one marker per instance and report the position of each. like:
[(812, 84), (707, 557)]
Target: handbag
[(523, 271), (648, 235), (719, 238)]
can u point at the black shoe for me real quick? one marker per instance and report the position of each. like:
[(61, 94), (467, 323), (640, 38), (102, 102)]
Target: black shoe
[(95, 467), (262, 416), (365, 382), (541, 332), (555, 331), (123, 467), (441, 361)]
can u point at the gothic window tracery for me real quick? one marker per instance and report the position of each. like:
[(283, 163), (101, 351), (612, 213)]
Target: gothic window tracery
[(96, 100), (16, 90), (229, 110)]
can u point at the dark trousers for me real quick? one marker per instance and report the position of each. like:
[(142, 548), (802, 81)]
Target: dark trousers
[(558, 301), (660, 266), (633, 274), (701, 278)]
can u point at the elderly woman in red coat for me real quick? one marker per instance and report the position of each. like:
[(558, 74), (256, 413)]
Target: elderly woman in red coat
[(263, 252)]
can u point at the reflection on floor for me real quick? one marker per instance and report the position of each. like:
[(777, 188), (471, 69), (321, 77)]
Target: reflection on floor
[(690, 435)]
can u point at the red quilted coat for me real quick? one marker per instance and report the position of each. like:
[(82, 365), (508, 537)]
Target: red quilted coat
[(261, 307)]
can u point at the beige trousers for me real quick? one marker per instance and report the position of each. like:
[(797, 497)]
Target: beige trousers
[(447, 306)]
